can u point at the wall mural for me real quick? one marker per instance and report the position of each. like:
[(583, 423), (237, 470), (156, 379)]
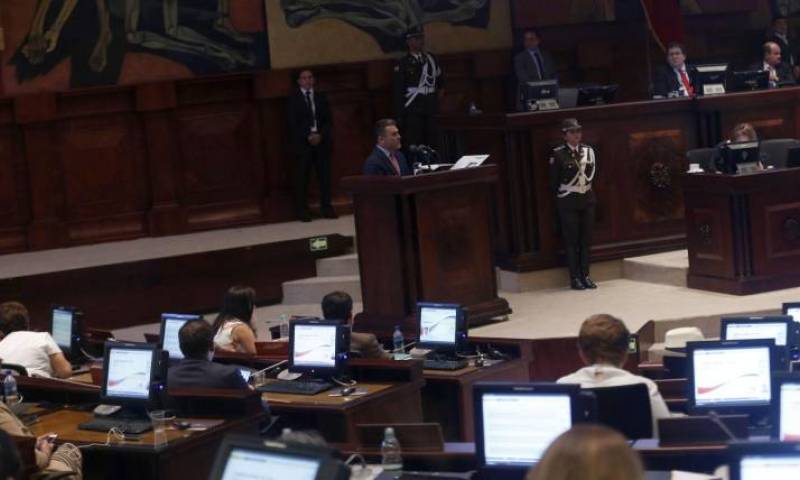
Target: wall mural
[(96, 36)]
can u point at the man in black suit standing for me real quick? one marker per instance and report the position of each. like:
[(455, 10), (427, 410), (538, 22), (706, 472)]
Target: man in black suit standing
[(386, 158), (673, 79), (779, 33), (532, 64), (197, 370), (310, 125), (779, 73)]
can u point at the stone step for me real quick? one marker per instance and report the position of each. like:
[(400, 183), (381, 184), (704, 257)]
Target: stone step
[(668, 268), (311, 290), (338, 266)]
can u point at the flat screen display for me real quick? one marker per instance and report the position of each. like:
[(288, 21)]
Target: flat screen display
[(62, 327), (518, 428), (794, 312), (769, 467), (438, 325), (129, 372), (170, 341), (246, 464), (757, 331), (314, 346), (790, 412), (732, 377)]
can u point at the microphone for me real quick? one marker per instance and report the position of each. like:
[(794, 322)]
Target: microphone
[(714, 417)]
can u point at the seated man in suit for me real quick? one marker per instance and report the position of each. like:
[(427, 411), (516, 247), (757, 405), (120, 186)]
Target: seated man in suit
[(780, 74), (673, 80), (339, 306), (603, 347), (778, 32), (197, 370), (532, 64), (386, 158)]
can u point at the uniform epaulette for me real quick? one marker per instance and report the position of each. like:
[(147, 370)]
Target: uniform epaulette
[(561, 147)]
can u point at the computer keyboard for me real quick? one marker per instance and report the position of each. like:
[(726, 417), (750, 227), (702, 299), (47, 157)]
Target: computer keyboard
[(295, 387), (104, 424), (437, 364)]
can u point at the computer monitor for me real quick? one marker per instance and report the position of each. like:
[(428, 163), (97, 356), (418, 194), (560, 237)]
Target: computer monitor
[(792, 309), (786, 414), (252, 458), (442, 327), (749, 80), (596, 94), (129, 374), (515, 423), (66, 330), (532, 92), (710, 79), (732, 376), (317, 347), (739, 157), (780, 328), (171, 324), (764, 460)]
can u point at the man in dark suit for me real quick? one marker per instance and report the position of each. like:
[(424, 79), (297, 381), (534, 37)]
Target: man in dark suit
[(673, 79), (196, 370), (310, 125), (339, 306), (532, 64), (779, 33), (779, 73), (386, 158)]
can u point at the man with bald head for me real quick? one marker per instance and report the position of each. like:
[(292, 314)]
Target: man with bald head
[(779, 73)]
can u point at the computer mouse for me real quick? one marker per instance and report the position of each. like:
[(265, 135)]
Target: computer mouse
[(348, 391)]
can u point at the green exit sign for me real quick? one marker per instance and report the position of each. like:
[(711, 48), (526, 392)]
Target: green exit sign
[(318, 244)]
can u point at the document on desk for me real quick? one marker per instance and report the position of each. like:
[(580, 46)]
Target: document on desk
[(679, 475), (469, 161)]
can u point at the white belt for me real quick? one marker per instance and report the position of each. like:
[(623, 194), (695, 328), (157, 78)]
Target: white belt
[(574, 189), (420, 91)]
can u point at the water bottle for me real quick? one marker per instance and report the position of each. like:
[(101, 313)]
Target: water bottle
[(10, 392), (397, 339), (284, 325), (390, 451)]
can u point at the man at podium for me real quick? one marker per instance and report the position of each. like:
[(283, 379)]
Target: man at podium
[(386, 158)]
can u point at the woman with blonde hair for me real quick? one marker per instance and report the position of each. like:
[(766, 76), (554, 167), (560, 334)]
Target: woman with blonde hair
[(589, 452)]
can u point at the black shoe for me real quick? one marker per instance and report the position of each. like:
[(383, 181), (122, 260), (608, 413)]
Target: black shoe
[(588, 283), (575, 283), (328, 213)]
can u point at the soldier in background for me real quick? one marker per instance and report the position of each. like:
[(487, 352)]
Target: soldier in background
[(417, 86), (572, 170)]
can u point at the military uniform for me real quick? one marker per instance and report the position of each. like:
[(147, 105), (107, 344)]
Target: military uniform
[(571, 175), (417, 81)]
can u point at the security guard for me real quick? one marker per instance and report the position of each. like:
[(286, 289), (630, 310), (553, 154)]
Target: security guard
[(572, 169), (417, 85)]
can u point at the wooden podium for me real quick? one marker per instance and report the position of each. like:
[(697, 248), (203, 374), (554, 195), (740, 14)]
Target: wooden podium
[(743, 231), (424, 238)]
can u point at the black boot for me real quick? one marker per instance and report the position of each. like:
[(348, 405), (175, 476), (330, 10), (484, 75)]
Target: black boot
[(575, 283), (588, 283)]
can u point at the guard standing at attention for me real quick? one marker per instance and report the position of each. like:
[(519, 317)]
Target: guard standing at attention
[(572, 169), (417, 86)]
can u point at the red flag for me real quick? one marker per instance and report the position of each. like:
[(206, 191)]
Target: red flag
[(665, 21)]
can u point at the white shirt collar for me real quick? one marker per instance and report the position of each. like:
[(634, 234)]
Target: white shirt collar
[(306, 91)]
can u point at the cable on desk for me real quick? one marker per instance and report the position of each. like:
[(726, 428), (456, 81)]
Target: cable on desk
[(114, 433), (351, 383)]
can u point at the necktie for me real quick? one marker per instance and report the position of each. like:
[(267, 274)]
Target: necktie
[(686, 83), (310, 104), (395, 164), (538, 60)]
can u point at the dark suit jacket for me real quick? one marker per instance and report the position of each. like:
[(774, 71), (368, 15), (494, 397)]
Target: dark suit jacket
[(301, 120), (378, 164), (190, 373), (525, 67), (785, 75), (665, 80), (787, 54)]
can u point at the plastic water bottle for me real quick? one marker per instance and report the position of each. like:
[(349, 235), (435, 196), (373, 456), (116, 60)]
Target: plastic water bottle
[(397, 339), (284, 325), (390, 451), (10, 392)]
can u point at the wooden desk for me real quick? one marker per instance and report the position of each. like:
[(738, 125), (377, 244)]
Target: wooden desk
[(336, 417), (447, 395), (78, 389), (176, 454)]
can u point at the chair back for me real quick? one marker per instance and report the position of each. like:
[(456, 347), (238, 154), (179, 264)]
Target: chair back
[(18, 369), (774, 152), (701, 156), (626, 409)]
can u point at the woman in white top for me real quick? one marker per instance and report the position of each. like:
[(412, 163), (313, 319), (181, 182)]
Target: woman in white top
[(233, 329), (36, 351)]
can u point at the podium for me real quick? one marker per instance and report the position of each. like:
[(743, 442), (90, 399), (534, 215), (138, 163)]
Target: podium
[(425, 238), (743, 231)]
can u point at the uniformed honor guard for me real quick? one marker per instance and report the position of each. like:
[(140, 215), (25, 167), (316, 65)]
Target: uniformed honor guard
[(572, 169), (417, 85)]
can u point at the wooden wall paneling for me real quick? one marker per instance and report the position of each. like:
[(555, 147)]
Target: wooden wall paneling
[(14, 186)]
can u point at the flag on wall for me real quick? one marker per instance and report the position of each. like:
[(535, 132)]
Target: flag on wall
[(664, 20)]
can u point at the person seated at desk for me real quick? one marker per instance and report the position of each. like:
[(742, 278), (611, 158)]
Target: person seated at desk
[(386, 158), (65, 458), (741, 132), (589, 452), (532, 64), (36, 351), (196, 370), (780, 74), (673, 79), (778, 32), (603, 347), (339, 306), (233, 327)]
